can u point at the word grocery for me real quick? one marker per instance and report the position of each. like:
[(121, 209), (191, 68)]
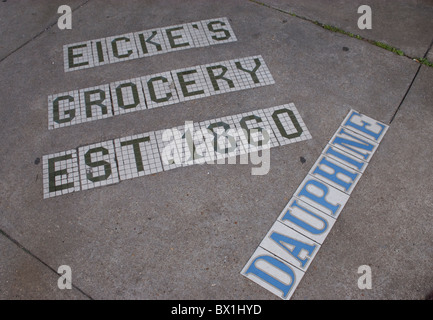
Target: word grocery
[(286, 252), (125, 158), (146, 43), (157, 90)]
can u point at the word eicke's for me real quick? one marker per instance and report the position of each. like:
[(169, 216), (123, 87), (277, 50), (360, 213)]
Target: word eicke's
[(93, 53)]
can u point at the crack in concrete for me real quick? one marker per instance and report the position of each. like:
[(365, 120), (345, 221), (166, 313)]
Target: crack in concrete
[(19, 245), (410, 85)]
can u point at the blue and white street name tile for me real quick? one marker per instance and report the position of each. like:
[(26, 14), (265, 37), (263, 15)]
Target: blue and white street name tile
[(273, 273), (302, 227), (290, 245), (322, 196)]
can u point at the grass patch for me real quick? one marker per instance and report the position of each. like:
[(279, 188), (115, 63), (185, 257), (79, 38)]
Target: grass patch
[(424, 61), (388, 47), (332, 28)]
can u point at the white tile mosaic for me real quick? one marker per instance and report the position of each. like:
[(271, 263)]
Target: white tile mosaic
[(177, 37), (150, 42), (100, 52), (218, 31), (256, 132), (198, 34), (251, 72), (122, 48), (171, 154), (95, 103), (190, 83), (64, 109), (287, 124), (227, 141), (221, 77), (98, 165), (127, 96), (159, 89), (168, 88), (60, 173), (217, 141), (137, 155), (78, 56)]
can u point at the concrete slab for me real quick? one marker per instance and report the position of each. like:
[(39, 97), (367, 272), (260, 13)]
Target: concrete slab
[(21, 21), (23, 277), (404, 24), (188, 232)]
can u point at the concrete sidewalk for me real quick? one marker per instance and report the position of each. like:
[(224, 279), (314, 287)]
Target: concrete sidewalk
[(187, 233)]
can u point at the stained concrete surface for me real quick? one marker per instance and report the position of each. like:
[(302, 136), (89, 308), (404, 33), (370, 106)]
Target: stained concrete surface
[(187, 233)]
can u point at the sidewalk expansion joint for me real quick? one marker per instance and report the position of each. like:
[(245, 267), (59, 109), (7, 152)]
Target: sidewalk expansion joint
[(19, 245), (422, 61), (410, 85)]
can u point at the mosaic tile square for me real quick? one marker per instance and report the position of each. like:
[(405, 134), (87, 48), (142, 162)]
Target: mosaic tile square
[(272, 273), (287, 124), (335, 174), (218, 31), (122, 48), (60, 173), (306, 220), (78, 56), (150, 42), (95, 103), (127, 96), (159, 89), (290, 245), (137, 155), (98, 165), (64, 109)]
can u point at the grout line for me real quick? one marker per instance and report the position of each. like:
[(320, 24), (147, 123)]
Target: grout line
[(19, 245), (37, 35), (422, 61)]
